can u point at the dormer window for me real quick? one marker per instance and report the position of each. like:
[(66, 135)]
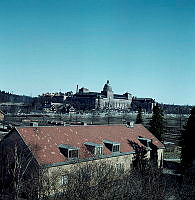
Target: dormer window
[(145, 141), (73, 153), (112, 146), (96, 149), (99, 150), (69, 151), (116, 148)]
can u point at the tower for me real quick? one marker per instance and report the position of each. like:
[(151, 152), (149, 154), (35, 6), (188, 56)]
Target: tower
[(107, 90), (77, 89)]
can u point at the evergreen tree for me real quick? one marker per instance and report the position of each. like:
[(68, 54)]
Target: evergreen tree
[(188, 141), (139, 119), (156, 125)]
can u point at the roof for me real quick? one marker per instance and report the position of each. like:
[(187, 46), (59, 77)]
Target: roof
[(63, 146), (93, 144), (110, 142), (48, 139)]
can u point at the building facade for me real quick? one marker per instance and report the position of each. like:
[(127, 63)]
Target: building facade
[(146, 104), (83, 99), (61, 150)]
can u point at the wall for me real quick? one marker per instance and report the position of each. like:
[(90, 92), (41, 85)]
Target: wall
[(1, 116), (55, 173), (160, 153), (114, 103)]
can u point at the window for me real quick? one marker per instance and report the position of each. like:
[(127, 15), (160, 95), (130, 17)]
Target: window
[(115, 148), (119, 167), (96, 149), (112, 146), (69, 151), (64, 180), (145, 141), (73, 153), (85, 175), (99, 150)]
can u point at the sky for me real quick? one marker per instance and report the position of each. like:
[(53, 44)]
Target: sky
[(145, 47)]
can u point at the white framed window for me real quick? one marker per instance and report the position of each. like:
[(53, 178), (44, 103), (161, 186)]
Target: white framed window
[(96, 149), (119, 167), (73, 153), (99, 150), (112, 146), (116, 148), (64, 180), (69, 151)]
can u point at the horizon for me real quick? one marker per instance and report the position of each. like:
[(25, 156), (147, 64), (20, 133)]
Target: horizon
[(95, 91), (145, 48)]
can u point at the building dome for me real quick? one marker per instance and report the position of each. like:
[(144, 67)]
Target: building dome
[(107, 87)]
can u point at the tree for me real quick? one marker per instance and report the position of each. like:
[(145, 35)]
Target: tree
[(140, 157), (187, 143), (84, 181), (144, 180), (18, 170), (156, 125), (139, 119)]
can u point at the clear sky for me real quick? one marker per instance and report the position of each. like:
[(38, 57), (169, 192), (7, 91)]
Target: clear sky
[(145, 47)]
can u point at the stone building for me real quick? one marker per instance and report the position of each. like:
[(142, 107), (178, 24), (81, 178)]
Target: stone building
[(83, 99), (65, 148), (146, 104)]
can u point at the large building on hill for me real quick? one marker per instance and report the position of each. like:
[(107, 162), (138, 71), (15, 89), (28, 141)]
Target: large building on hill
[(83, 99)]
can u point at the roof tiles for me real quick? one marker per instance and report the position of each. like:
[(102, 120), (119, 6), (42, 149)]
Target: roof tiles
[(47, 139)]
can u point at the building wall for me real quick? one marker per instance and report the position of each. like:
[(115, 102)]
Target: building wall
[(124, 162), (113, 103), (89, 103), (146, 104), (160, 153), (83, 103), (1, 116)]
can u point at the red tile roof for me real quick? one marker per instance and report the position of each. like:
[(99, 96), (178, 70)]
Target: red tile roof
[(47, 139)]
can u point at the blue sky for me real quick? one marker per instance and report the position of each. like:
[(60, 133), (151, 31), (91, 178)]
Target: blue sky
[(145, 47)]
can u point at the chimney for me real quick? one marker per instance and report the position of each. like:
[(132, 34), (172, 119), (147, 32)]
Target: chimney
[(77, 89), (130, 124)]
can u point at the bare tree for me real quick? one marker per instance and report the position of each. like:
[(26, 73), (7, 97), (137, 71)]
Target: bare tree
[(19, 169), (93, 180)]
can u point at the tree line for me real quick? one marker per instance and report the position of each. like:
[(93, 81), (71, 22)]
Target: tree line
[(9, 97)]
